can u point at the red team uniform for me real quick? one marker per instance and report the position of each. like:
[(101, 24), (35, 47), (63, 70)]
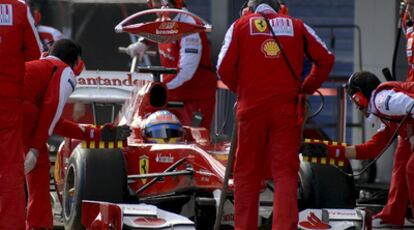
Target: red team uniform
[(391, 101), (19, 43), (48, 84), (195, 82), (251, 65), (394, 211)]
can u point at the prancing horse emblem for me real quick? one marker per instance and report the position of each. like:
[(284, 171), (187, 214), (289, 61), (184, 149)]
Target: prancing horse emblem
[(260, 25), (143, 166)]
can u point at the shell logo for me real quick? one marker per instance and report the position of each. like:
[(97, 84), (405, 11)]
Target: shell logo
[(270, 49)]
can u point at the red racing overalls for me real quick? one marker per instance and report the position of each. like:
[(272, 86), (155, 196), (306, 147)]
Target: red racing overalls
[(48, 84), (402, 182), (195, 82), (19, 42), (251, 65)]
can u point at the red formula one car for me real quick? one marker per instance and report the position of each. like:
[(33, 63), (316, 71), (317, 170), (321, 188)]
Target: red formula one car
[(168, 175), (108, 183)]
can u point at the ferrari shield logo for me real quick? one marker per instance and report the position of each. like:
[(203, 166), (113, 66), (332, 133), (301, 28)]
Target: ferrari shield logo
[(260, 25), (143, 166)]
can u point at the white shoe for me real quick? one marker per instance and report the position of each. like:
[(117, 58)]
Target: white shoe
[(378, 223)]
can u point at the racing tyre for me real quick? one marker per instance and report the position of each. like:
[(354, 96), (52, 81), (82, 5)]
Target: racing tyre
[(92, 174), (323, 186), (204, 215)]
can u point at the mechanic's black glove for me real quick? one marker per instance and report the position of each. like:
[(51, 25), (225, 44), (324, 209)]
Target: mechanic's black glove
[(313, 150), (109, 132)]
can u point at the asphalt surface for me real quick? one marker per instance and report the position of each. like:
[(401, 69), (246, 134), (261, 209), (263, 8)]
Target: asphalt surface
[(57, 209), (58, 223)]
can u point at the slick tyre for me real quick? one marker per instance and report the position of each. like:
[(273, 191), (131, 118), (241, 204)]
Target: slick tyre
[(92, 174), (323, 186), (204, 215)]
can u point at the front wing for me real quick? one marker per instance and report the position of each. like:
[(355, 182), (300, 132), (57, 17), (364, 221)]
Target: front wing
[(104, 215)]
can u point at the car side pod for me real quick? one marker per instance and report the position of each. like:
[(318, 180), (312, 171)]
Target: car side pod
[(98, 215), (337, 219)]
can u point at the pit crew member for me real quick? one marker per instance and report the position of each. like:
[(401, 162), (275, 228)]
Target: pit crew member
[(398, 195), (392, 213), (48, 83), (390, 102), (195, 82), (264, 77), (19, 43)]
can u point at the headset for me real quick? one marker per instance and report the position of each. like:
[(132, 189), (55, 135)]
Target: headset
[(360, 100), (356, 93), (78, 67)]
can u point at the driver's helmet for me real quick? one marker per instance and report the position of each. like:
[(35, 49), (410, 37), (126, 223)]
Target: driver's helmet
[(162, 127)]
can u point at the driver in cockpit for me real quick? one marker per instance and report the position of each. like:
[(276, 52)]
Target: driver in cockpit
[(162, 127)]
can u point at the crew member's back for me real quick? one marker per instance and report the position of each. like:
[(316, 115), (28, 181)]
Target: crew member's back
[(18, 43)]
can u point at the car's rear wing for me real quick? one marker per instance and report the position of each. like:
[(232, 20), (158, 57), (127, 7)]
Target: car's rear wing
[(106, 86)]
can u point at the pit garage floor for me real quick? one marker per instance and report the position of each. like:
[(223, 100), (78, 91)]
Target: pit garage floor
[(58, 222), (57, 209)]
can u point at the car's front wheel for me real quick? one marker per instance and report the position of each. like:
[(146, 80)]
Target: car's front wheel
[(92, 174)]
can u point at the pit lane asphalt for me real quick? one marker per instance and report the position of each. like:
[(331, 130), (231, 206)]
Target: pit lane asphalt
[(57, 209)]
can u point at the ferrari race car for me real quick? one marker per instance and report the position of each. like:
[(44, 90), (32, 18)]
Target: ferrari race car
[(140, 185), (94, 172)]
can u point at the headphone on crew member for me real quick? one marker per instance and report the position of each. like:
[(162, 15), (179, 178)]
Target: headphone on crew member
[(355, 92), (176, 3), (360, 87), (78, 67)]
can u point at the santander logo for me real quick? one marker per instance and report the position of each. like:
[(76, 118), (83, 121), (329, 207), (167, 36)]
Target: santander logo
[(111, 79)]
